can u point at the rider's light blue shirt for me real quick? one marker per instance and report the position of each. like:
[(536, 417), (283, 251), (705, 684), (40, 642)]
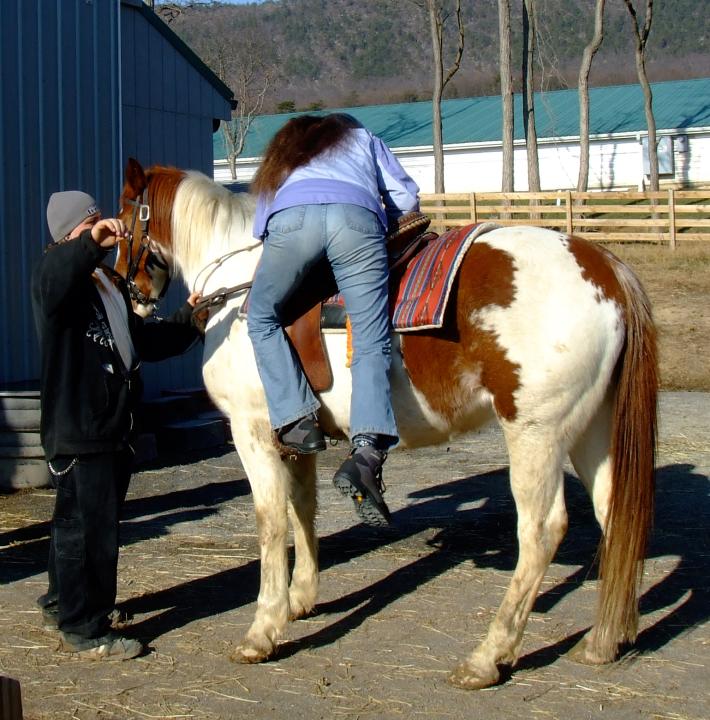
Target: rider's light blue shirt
[(361, 171)]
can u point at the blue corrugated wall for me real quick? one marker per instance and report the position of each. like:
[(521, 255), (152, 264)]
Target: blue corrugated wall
[(83, 86), (59, 79)]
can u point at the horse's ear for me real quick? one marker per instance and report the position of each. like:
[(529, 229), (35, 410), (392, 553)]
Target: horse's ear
[(135, 177)]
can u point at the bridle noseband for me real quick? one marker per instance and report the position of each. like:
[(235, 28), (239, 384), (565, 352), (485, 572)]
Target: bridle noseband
[(141, 214)]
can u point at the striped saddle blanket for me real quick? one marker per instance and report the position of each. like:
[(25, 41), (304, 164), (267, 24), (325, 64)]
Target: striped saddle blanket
[(423, 291)]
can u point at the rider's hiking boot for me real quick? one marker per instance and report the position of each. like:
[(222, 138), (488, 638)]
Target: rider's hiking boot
[(360, 477), (304, 436)]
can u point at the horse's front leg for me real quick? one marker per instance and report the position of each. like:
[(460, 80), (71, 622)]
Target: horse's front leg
[(536, 481), (269, 478), (302, 506)]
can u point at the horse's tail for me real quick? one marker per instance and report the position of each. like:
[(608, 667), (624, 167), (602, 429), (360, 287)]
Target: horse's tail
[(633, 449)]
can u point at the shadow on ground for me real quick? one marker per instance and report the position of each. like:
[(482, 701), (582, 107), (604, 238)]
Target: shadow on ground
[(452, 530), (486, 536)]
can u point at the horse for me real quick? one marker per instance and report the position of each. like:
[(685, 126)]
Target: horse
[(547, 334)]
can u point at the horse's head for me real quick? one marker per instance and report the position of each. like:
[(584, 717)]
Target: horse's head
[(143, 257)]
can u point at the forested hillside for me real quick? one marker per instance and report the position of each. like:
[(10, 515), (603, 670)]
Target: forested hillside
[(352, 52)]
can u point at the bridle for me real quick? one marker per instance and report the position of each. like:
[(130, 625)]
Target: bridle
[(141, 214)]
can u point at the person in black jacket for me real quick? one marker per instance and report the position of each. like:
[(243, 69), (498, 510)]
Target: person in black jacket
[(91, 344)]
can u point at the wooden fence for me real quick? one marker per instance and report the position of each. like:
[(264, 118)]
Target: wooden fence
[(665, 217)]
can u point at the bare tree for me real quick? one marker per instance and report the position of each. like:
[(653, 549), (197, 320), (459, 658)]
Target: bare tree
[(641, 33), (250, 80), (529, 35), (583, 85), (438, 16), (246, 66), (506, 91)]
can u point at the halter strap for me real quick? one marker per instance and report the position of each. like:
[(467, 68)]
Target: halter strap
[(141, 214)]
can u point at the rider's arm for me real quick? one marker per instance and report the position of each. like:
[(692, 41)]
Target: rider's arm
[(400, 194)]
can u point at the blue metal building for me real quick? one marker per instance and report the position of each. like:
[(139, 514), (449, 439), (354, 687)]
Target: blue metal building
[(83, 86)]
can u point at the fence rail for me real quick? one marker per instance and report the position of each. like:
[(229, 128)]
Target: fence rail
[(664, 217)]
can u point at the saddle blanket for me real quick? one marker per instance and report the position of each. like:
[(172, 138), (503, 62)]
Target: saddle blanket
[(423, 292)]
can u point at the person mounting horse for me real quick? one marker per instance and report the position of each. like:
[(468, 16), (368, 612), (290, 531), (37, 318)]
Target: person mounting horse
[(91, 344), (329, 188)]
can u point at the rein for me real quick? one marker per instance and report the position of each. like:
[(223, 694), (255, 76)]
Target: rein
[(219, 297)]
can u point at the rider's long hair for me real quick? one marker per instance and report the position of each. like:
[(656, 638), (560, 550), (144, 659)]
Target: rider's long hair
[(299, 141)]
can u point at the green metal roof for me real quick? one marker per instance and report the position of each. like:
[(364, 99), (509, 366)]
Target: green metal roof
[(677, 105)]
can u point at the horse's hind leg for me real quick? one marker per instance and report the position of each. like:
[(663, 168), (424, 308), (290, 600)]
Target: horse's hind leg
[(302, 506), (591, 457), (537, 483)]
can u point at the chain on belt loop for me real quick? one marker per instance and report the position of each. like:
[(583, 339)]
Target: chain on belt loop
[(59, 473)]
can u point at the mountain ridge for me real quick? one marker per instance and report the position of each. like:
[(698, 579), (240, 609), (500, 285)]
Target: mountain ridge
[(341, 53)]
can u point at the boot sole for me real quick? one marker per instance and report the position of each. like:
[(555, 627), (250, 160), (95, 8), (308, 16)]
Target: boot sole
[(366, 508), (306, 449)]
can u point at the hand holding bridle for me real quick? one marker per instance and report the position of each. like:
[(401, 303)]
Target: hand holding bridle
[(107, 232)]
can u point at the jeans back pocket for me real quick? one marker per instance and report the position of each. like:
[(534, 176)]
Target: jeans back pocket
[(287, 220)]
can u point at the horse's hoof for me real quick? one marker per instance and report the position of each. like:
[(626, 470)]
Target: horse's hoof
[(469, 678), (248, 654), (299, 613), (585, 654), (298, 610)]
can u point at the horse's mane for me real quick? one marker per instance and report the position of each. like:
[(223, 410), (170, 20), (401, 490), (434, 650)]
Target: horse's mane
[(207, 220)]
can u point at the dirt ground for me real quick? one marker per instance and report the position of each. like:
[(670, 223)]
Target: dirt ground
[(397, 608), (678, 283)]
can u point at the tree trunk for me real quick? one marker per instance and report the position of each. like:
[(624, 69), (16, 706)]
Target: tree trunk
[(435, 28), (529, 38), (641, 39), (651, 122), (506, 91), (584, 70)]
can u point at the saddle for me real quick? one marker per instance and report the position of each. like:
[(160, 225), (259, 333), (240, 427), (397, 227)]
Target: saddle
[(316, 306)]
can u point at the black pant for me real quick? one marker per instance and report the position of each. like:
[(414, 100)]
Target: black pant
[(83, 550)]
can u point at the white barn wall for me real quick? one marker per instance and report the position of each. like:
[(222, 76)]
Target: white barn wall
[(614, 163), (696, 159)]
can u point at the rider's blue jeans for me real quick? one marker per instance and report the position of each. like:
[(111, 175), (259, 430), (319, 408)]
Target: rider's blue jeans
[(352, 239)]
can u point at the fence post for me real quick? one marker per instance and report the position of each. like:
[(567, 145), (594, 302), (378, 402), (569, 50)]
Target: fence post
[(568, 208), (474, 209), (671, 217)]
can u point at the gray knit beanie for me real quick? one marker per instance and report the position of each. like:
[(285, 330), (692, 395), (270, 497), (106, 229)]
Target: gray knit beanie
[(66, 210)]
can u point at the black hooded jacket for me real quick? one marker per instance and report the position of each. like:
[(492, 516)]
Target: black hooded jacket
[(87, 393)]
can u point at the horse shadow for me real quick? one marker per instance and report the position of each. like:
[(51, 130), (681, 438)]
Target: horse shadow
[(474, 521)]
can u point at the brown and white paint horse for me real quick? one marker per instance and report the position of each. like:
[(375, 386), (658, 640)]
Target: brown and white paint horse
[(550, 335)]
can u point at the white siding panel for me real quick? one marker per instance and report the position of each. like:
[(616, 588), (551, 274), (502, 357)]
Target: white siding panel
[(697, 160)]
